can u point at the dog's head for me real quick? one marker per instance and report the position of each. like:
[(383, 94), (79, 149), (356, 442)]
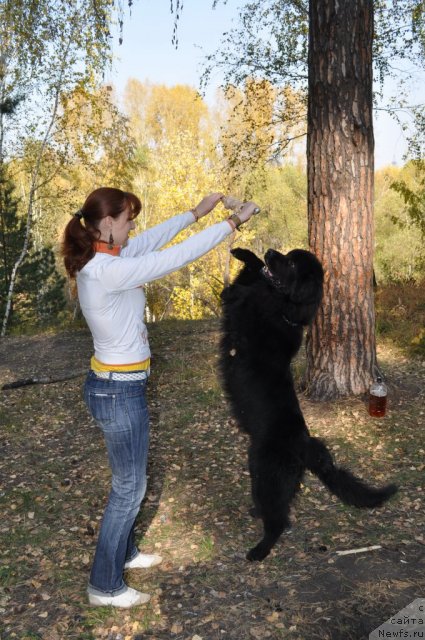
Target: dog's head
[(296, 276), (289, 286)]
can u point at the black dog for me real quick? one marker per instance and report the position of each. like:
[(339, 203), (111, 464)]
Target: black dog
[(264, 312)]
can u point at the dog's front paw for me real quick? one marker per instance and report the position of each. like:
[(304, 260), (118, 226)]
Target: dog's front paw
[(257, 553), (241, 254), (248, 257)]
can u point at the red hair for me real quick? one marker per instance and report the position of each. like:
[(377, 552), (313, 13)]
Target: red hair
[(82, 230)]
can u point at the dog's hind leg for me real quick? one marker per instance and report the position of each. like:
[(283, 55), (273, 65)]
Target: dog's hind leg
[(275, 489), (255, 510), (274, 525)]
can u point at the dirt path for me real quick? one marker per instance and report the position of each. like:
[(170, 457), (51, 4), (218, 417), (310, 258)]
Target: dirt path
[(44, 355), (54, 481)]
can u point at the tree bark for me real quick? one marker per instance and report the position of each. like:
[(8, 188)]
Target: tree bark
[(341, 352)]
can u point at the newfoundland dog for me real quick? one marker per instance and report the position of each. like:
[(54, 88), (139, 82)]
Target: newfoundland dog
[(264, 312)]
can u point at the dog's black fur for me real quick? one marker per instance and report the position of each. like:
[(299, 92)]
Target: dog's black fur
[(264, 312)]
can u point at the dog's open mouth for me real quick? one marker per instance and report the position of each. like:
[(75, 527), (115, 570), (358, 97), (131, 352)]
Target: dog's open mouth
[(270, 276), (274, 280), (266, 271)]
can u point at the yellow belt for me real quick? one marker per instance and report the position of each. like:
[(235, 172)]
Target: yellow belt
[(96, 365)]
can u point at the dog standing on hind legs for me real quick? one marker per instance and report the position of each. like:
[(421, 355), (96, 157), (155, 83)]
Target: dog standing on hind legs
[(264, 312)]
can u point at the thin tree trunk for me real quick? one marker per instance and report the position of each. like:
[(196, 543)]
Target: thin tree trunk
[(3, 242), (226, 274), (341, 354)]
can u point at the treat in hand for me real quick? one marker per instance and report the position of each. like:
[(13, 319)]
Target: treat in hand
[(232, 203)]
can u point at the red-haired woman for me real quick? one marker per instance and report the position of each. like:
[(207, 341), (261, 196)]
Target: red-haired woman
[(109, 269)]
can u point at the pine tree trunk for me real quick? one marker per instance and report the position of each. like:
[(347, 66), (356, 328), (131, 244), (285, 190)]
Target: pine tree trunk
[(341, 353)]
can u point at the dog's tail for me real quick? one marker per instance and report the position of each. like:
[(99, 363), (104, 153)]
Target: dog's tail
[(342, 483)]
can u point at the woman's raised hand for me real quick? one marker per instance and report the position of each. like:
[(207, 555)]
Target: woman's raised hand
[(207, 204), (247, 210)]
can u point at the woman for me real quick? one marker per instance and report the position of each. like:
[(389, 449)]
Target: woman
[(110, 269)]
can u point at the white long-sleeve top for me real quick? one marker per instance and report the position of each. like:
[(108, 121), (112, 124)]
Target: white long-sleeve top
[(110, 287)]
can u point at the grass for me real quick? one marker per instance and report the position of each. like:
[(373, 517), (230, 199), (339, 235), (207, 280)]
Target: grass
[(195, 514), (400, 310), (205, 549)]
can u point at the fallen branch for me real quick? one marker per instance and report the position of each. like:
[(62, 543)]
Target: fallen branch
[(43, 380), (361, 550)]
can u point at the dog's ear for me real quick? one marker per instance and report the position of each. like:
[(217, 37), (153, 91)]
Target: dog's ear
[(248, 258), (308, 292)]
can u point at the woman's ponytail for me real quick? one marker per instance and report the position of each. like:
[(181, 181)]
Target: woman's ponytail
[(77, 244)]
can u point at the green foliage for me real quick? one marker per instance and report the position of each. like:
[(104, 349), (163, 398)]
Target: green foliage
[(91, 147), (176, 165), (270, 43), (282, 224), (39, 293), (39, 290), (262, 122), (418, 343), (398, 36), (400, 309), (412, 191), (418, 23), (399, 251), (174, 161), (12, 230), (47, 49), (282, 193)]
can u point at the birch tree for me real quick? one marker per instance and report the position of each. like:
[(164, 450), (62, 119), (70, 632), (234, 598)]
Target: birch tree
[(45, 50)]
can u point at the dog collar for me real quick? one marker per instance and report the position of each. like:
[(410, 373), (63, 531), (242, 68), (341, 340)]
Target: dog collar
[(277, 285)]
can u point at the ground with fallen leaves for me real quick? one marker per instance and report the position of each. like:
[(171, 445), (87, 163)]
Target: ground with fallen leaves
[(54, 483)]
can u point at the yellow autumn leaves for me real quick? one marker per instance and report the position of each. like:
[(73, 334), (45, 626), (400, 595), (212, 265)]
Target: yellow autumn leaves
[(188, 150), (170, 148)]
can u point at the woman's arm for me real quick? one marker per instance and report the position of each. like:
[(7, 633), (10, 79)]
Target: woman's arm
[(161, 234), (157, 236), (129, 272)]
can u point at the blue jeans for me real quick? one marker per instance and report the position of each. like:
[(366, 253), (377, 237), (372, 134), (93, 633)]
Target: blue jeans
[(120, 410)]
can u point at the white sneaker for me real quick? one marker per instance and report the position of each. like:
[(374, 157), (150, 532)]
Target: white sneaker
[(143, 561), (128, 598)]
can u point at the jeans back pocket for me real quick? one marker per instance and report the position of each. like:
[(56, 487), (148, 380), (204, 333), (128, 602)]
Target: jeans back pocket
[(102, 406)]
